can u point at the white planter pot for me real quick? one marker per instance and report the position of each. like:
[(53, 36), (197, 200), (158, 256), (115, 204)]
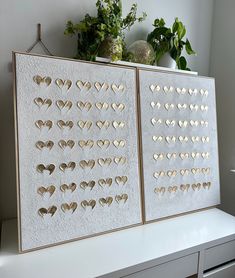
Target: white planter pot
[(167, 61)]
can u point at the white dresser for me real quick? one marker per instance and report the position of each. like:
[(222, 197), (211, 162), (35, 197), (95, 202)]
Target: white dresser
[(201, 244)]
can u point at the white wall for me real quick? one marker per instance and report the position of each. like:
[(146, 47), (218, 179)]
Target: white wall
[(223, 68), (18, 21)]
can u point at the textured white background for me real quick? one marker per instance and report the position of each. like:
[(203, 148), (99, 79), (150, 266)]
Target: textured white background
[(180, 202), (38, 231)]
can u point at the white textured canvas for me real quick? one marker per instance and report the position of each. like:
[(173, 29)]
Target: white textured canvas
[(115, 173), (179, 138)]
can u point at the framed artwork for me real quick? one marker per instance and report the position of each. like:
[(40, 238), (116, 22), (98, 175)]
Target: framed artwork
[(77, 149), (179, 143)]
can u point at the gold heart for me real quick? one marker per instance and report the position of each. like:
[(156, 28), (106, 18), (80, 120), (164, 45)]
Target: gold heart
[(102, 105), (184, 172), (170, 123), (204, 123), (118, 106), (63, 83), (117, 88), (40, 102), (196, 186), (193, 107), (119, 198), (70, 165), (44, 80), (41, 168), (104, 161), (168, 89), (204, 108), (72, 206), (172, 189), (88, 143), (195, 139), (51, 210), (170, 139), (65, 187), (87, 164), (205, 139), (90, 203), (158, 156), (181, 91), (63, 144), (120, 160), (84, 105), (193, 92), (40, 124), (64, 104), (171, 156), (182, 106), (194, 123), (153, 104), (183, 139), (104, 182), (85, 124), (158, 174), (118, 124), (106, 201), (62, 124), (195, 155), (182, 124), (50, 189), (195, 171), (121, 180), (169, 106), (206, 185), (154, 88), (103, 143), (184, 155), (184, 187), (171, 173), (157, 138), (205, 171), (89, 184), (119, 143), (80, 84), (102, 124), (48, 144), (205, 155), (160, 190), (156, 121), (101, 86)]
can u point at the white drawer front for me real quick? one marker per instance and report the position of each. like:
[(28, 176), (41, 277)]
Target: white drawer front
[(227, 271), (219, 254), (179, 268)]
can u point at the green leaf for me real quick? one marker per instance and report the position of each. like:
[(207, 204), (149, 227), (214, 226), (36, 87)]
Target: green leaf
[(182, 63), (188, 48)]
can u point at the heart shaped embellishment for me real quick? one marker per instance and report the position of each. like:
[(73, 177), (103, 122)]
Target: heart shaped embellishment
[(171, 174), (88, 143), (71, 187), (195, 139), (184, 172), (105, 182), (159, 174), (160, 190), (118, 106), (63, 144), (170, 123), (41, 168), (103, 143), (85, 124), (183, 124), (43, 102), (155, 104), (171, 156), (195, 155), (101, 86), (83, 85), (204, 123), (206, 185), (204, 108), (196, 186), (119, 143), (193, 107), (90, 185), (87, 164), (106, 201), (169, 106), (121, 198), (155, 121), (103, 124), (118, 88), (64, 104), (84, 105), (62, 124), (172, 189), (194, 123), (159, 156), (168, 89), (117, 124), (184, 187), (64, 83), (195, 171), (48, 144), (183, 139), (51, 210), (170, 139), (39, 80), (181, 91), (120, 160), (104, 161), (155, 88), (204, 93), (40, 124), (182, 106), (69, 207), (102, 105), (184, 155), (70, 166), (157, 138), (205, 139), (205, 155), (50, 189), (206, 171), (90, 203), (193, 92), (121, 180)]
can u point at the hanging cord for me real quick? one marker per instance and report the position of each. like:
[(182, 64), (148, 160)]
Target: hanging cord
[(39, 41)]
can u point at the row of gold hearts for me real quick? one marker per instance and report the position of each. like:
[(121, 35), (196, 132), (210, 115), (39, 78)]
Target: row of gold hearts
[(104, 182), (83, 164), (81, 85), (180, 106), (86, 106), (182, 172), (81, 124), (193, 155), (183, 187), (181, 139), (181, 123), (180, 91), (81, 143), (104, 202)]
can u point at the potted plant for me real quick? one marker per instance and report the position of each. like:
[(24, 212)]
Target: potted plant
[(168, 44), (103, 35)]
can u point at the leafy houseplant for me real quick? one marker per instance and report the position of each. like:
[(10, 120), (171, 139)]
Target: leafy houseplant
[(103, 34), (170, 40)]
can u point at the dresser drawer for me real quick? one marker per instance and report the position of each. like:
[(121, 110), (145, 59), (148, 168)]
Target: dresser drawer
[(219, 254), (180, 268), (227, 271)]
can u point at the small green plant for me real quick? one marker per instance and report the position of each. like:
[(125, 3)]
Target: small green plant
[(93, 31), (170, 40)]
